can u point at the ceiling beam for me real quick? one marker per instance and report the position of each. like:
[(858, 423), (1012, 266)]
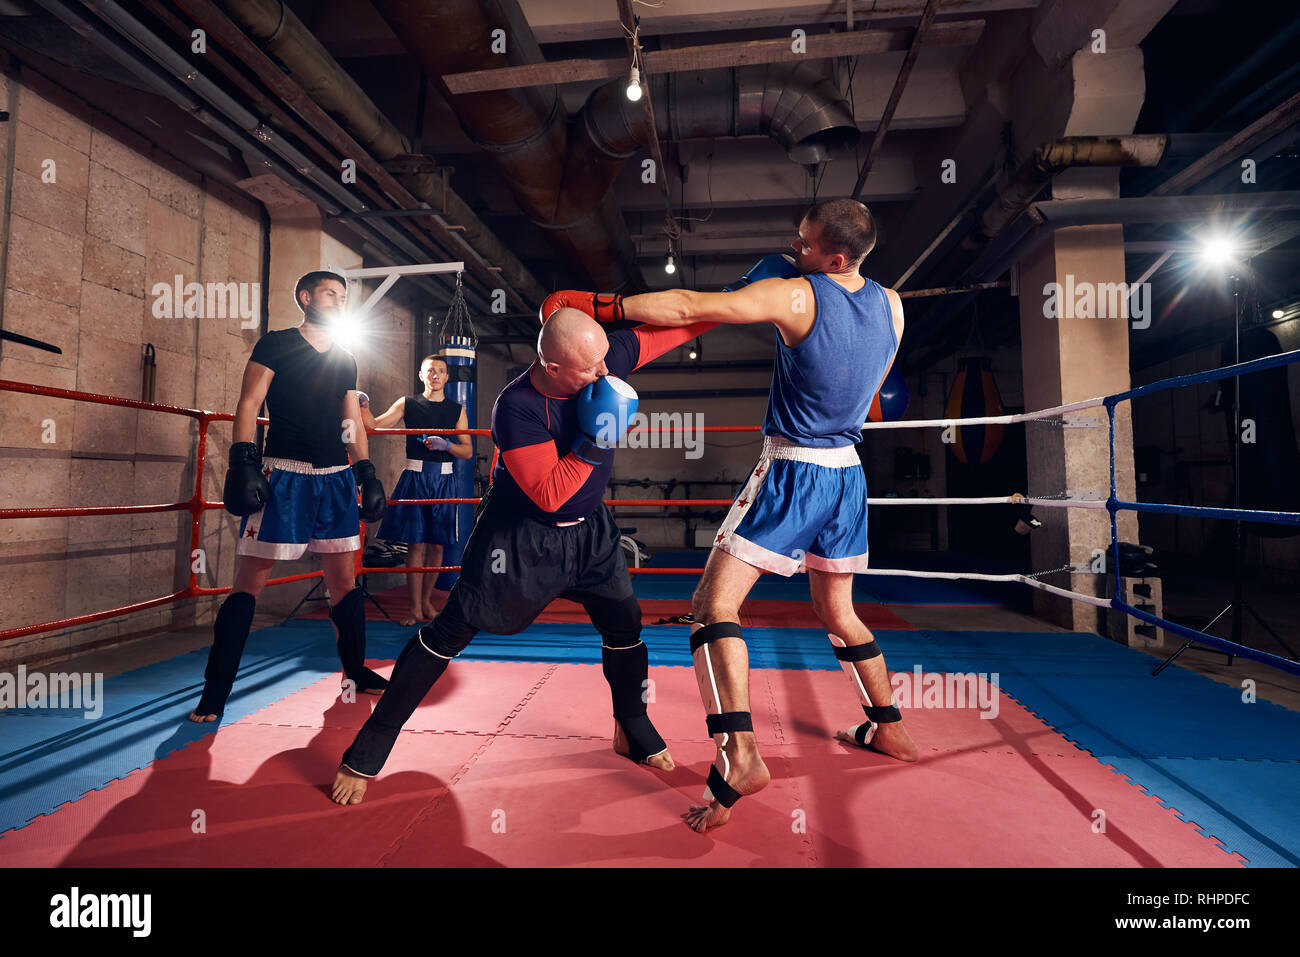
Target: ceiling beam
[(715, 56)]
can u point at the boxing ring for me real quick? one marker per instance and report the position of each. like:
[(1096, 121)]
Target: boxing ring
[(1067, 752)]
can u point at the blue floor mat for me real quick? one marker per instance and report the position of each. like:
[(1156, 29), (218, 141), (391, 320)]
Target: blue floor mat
[(50, 757), (1101, 695), (1249, 806)]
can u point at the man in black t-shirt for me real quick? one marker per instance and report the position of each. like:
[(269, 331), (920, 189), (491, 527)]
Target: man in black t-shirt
[(302, 495), (428, 474)]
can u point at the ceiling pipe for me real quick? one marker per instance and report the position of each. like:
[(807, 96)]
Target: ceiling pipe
[(310, 70), (795, 104), (988, 234), (523, 131), (1056, 157), (194, 93), (1048, 216)]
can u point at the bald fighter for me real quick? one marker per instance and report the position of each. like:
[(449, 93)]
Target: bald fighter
[(805, 503), (542, 532)]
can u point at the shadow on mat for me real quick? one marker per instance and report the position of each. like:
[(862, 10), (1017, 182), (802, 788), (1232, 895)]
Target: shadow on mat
[(281, 816)]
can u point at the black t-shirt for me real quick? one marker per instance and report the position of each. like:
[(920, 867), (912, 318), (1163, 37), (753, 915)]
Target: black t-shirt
[(305, 400), (420, 413)]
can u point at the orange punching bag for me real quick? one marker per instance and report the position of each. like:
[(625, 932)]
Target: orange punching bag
[(974, 393)]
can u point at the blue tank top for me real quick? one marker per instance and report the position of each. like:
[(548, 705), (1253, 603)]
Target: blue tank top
[(822, 388)]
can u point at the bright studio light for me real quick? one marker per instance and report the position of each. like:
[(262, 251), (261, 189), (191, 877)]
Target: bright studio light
[(1218, 251), (634, 85), (692, 354), (1278, 313), (348, 331), (670, 267)]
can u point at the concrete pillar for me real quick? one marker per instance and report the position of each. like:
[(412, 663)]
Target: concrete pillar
[(1069, 351)]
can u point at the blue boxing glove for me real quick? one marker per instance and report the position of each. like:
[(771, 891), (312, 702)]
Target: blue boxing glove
[(775, 266), (605, 410), (436, 443)]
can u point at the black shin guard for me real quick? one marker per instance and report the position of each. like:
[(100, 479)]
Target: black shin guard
[(721, 722), (626, 671), (349, 617), (229, 633), (414, 674), (625, 662)]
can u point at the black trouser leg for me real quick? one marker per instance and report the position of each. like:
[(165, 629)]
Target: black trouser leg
[(420, 664)]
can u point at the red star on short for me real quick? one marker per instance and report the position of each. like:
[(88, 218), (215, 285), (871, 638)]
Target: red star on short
[(759, 470), (266, 471), (250, 532), (742, 503), (718, 540)]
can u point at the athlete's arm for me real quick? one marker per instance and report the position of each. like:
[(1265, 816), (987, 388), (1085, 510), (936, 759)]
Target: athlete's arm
[(389, 418), (896, 305), (654, 341), (547, 479), (786, 303), (252, 393), (462, 446), (359, 447)]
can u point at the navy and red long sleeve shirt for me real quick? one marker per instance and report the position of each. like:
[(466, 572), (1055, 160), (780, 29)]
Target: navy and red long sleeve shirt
[(533, 432)]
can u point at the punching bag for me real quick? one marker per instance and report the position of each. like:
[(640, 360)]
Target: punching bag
[(1270, 460), (974, 393), (891, 401), (461, 368)]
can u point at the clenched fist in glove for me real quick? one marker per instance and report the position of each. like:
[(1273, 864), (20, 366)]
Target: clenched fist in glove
[(373, 499), (246, 489), (602, 308)]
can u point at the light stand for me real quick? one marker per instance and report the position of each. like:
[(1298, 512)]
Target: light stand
[(1238, 603)]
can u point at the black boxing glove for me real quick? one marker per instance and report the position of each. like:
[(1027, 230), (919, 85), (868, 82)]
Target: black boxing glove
[(373, 499), (246, 489)]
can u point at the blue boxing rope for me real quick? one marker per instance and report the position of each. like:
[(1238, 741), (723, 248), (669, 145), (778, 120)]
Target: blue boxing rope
[(1114, 505)]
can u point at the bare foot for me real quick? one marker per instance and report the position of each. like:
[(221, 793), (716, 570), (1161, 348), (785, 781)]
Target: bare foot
[(410, 620), (201, 718), (348, 788), (891, 739), (747, 774), (662, 761)]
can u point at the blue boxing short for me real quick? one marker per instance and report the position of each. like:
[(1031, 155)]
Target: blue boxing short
[(308, 508), (423, 524), (801, 508)]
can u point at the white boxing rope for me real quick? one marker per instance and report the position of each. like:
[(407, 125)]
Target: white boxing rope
[(992, 500), (987, 419), (974, 576)]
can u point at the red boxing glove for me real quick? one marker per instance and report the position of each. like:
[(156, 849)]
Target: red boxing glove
[(607, 308)]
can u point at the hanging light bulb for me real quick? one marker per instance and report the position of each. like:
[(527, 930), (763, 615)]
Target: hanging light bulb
[(670, 267), (634, 85)]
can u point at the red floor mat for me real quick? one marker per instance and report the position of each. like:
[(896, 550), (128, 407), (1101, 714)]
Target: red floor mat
[(513, 766)]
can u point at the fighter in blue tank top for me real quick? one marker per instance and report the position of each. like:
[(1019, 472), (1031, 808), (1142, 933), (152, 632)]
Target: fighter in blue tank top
[(805, 503)]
